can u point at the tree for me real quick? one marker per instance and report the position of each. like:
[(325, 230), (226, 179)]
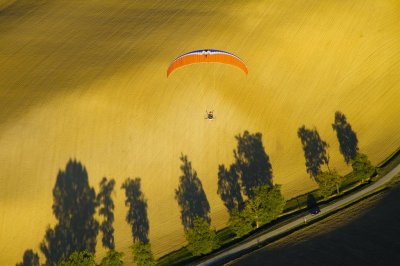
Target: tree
[(328, 182), (240, 223), (79, 258), (142, 254), (347, 138), (201, 238), (362, 167), (190, 195), (106, 210), (30, 259), (265, 206), (314, 150), (74, 207), (229, 188), (252, 162), (137, 213), (113, 258)]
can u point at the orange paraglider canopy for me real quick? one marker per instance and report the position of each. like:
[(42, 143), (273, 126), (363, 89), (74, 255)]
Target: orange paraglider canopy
[(207, 56)]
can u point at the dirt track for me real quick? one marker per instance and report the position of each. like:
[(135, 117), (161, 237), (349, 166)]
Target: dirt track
[(87, 80)]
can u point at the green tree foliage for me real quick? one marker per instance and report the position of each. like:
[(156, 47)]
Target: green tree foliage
[(113, 258), (328, 182), (240, 223), (229, 188), (252, 162), (265, 206), (201, 238), (142, 254), (30, 259), (107, 211), (190, 195), (137, 212), (362, 167), (79, 258), (347, 138), (74, 206), (314, 149)]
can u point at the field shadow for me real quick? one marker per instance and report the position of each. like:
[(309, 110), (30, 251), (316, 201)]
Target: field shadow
[(74, 206), (30, 258), (347, 138), (229, 188), (81, 49), (252, 162), (314, 149), (107, 211), (137, 210), (190, 195)]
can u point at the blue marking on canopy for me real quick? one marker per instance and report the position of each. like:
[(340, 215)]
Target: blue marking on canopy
[(209, 50)]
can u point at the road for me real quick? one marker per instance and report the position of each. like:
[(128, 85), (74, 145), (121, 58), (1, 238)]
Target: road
[(235, 252)]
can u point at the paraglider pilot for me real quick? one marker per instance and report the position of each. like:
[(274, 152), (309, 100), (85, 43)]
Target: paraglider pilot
[(210, 115)]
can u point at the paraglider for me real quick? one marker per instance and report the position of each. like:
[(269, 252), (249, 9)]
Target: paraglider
[(207, 56)]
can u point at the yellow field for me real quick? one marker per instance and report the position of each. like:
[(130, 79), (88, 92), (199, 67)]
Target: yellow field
[(87, 80)]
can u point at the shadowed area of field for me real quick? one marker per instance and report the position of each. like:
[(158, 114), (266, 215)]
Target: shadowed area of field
[(364, 234), (87, 80)]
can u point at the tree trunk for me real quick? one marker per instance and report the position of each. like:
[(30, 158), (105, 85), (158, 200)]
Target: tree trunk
[(337, 188)]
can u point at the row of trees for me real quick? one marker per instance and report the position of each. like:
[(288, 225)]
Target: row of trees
[(75, 204), (73, 239), (316, 155), (246, 187), (257, 201)]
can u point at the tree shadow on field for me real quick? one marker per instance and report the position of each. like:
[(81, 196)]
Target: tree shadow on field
[(347, 138), (229, 188), (137, 213), (252, 162), (74, 206), (190, 195), (107, 211), (314, 150), (30, 259)]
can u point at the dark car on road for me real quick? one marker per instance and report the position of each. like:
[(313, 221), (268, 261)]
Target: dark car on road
[(312, 205), (314, 210)]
